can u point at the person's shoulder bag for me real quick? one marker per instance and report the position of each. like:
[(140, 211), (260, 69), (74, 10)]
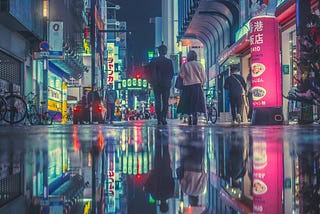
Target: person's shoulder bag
[(244, 97), (179, 83)]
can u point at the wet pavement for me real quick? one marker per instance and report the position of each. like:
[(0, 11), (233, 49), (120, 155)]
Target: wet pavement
[(140, 167)]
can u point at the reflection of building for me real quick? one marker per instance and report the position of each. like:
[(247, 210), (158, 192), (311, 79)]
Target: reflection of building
[(126, 165)]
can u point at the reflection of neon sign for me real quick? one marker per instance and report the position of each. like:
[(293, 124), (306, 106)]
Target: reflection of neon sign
[(111, 194), (136, 163), (267, 174)]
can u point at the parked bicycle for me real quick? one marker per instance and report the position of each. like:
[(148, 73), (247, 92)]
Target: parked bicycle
[(212, 113), (13, 108), (34, 115)]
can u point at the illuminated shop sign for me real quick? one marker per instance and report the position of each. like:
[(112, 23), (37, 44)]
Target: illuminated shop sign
[(86, 46), (134, 83), (244, 30), (110, 78), (54, 94), (281, 2), (265, 62)]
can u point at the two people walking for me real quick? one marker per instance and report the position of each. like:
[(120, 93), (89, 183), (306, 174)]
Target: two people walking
[(193, 76)]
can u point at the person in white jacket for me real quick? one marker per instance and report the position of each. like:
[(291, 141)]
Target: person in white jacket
[(192, 98)]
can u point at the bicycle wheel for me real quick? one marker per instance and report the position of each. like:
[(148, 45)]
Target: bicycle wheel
[(214, 115), (34, 119), (3, 107), (16, 109), (47, 118)]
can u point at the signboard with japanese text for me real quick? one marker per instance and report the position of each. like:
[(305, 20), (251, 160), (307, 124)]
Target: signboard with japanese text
[(111, 52), (123, 35), (257, 7), (267, 174), (265, 62), (55, 38), (134, 83)]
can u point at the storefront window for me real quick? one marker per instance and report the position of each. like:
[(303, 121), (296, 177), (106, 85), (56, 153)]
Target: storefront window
[(293, 54), (54, 92)]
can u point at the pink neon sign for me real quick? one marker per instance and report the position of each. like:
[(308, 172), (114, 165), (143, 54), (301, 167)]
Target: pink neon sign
[(265, 62)]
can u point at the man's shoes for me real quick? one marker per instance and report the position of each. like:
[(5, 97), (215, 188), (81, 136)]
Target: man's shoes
[(164, 121), (159, 122), (238, 118), (195, 120), (190, 120)]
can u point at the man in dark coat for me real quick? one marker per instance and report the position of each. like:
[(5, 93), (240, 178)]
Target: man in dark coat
[(111, 97), (235, 84), (161, 69)]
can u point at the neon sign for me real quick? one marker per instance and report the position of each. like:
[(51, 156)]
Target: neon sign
[(265, 62)]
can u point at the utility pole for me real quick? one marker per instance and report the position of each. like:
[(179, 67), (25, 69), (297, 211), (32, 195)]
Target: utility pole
[(93, 81), (302, 11), (93, 43)]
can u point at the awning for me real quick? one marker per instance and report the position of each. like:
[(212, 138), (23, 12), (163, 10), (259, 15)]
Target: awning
[(210, 21), (233, 51), (72, 63)]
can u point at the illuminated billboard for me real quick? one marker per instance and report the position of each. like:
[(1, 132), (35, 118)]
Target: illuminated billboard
[(265, 62)]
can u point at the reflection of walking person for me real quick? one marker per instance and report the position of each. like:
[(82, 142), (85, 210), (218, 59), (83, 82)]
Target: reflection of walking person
[(235, 85), (192, 98), (161, 77), (160, 182), (191, 173)]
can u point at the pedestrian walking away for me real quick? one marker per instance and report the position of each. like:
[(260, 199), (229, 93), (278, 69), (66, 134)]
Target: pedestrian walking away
[(192, 99), (161, 74), (94, 97), (235, 84), (111, 97)]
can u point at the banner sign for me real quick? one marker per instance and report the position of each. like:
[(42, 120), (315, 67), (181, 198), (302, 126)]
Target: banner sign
[(111, 53), (267, 173), (265, 62), (55, 38), (134, 84)]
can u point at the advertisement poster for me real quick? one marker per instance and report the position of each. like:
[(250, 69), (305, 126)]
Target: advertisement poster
[(257, 7), (267, 174), (56, 38), (265, 62), (111, 52)]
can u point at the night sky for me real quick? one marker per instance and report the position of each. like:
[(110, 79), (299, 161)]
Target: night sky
[(137, 14)]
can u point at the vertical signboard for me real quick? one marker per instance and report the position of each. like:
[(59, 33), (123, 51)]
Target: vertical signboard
[(265, 62), (257, 7), (123, 35), (110, 78), (267, 173), (55, 38)]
